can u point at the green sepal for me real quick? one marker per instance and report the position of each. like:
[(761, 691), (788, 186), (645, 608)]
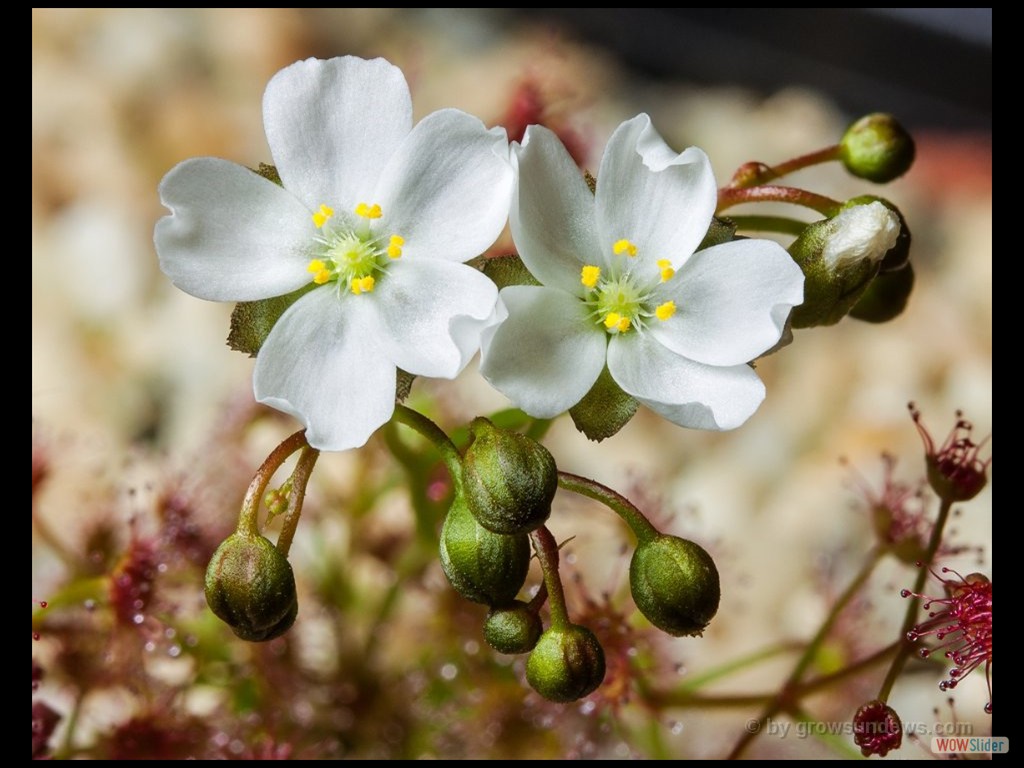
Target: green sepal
[(268, 172), (604, 410), (721, 231), (507, 270), (251, 321), (512, 628)]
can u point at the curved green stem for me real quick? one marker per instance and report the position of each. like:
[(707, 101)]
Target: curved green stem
[(770, 193), (296, 495), (788, 693), (547, 554), (778, 224), (617, 503), (436, 435), (248, 521), (907, 647)]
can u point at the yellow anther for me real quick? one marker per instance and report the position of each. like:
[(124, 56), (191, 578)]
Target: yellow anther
[(590, 275), (368, 211), (612, 319), (624, 246), (395, 246), (665, 266), (664, 311), (362, 284), (322, 276), (315, 266), (624, 324), (322, 215)]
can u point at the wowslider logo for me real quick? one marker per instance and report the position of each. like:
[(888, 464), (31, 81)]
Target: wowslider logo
[(970, 745)]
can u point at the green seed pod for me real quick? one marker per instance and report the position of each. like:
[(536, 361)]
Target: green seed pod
[(886, 297), (877, 148), (674, 584), (512, 629), (250, 586), (509, 480), (482, 566), (566, 664)]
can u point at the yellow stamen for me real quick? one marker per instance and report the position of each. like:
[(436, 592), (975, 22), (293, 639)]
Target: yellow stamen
[(322, 215), (590, 275), (624, 246), (368, 211), (395, 247), (664, 311), (315, 266), (612, 319), (362, 284), (625, 324), (322, 276)]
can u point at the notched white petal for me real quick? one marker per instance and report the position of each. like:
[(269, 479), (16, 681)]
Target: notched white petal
[(232, 235)]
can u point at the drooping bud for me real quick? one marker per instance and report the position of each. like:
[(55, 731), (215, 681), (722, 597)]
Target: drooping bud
[(481, 565), (566, 664), (898, 255), (509, 479), (877, 729), (512, 629), (877, 148), (674, 584), (886, 297), (250, 586), (840, 257)]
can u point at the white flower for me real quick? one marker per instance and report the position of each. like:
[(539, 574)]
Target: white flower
[(623, 287), (861, 232), (378, 213)]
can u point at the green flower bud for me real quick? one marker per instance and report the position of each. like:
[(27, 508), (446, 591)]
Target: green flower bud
[(509, 479), (674, 584), (482, 566), (897, 256), (840, 257), (566, 664), (250, 586), (512, 629), (886, 297), (877, 148)]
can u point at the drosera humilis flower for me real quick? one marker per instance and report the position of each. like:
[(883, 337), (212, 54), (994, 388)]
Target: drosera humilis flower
[(961, 622), (897, 512), (623, 286), (375, 216), (877, 729), (956, 471)]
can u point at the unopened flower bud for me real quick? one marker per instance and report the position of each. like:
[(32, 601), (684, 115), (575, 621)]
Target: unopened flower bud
[(877, 148), (566, 664), (839, 258), (674, 584), (897, 256), (877, 729), (512, 629), (482, 566), (886, 297), (509, 479), (250, 586)]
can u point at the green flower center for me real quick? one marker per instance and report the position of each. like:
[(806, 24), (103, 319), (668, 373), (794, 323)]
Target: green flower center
[(620, 302), (352, 258)]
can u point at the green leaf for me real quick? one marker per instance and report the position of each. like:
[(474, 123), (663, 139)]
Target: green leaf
[(604, 410), (251, 321)]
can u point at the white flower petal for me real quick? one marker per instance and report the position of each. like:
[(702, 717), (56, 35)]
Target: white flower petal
[(322, 363), (731, 301), (684, 392), (332, 126), (552, 217), (659, 200), (232, 235), (547, 355), (447, 188), (433, 314)]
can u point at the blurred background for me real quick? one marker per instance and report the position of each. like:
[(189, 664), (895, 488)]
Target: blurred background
[(145, 434)]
